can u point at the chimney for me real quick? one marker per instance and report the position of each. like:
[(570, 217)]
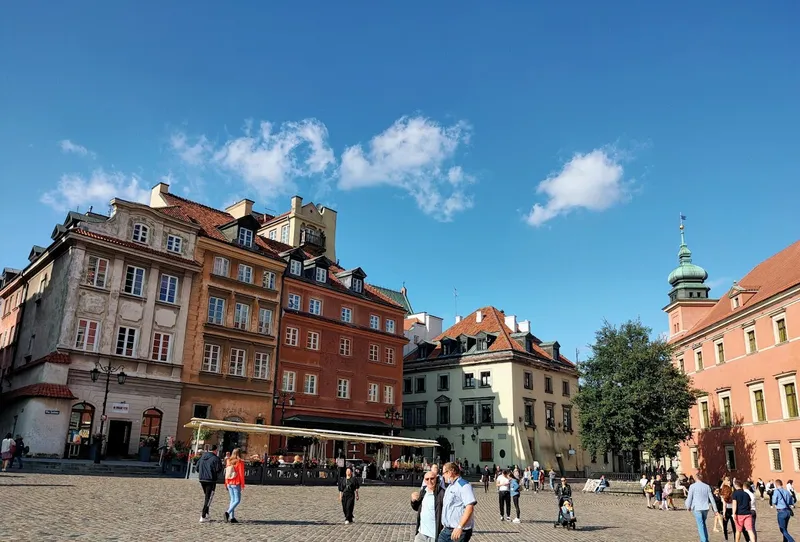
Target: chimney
[(458, 319), (297, 205), (525, 326), (511, 322), (403, 290), (157, 195), (240, 209), (478, 316)]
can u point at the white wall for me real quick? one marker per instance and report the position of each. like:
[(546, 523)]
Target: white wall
[(44, 434)]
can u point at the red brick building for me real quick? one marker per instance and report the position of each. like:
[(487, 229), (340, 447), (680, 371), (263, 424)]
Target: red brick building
[(340, 353)]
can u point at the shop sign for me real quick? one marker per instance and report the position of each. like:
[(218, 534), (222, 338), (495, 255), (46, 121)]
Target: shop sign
[(120, 408), (52, 412)]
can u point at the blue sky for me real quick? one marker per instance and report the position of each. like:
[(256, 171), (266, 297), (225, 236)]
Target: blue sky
[(535, 158)]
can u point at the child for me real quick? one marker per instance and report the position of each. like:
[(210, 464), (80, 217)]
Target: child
[(567, 511), (668, 502)]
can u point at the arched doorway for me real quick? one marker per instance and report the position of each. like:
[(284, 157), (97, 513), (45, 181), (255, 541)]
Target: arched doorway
[(79, 433), (232, 439), (150, 435), (445, 449)]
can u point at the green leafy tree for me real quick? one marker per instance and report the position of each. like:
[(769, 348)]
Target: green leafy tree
[(632, 397)]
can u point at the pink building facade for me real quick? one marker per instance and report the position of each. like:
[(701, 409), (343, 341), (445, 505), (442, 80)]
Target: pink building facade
[(742, 352)]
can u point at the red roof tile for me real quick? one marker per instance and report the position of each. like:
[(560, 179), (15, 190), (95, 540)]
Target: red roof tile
[(55, 391), (769, 278), (129, 244), (61, 358), (408, 323)]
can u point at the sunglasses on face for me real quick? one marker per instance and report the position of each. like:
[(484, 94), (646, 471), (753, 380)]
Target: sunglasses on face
[(428, 479)]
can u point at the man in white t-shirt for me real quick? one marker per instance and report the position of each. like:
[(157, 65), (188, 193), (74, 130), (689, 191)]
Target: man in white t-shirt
[(503, 483), (7, 450)]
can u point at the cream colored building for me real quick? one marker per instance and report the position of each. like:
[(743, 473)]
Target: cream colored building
[(495, 393), (310, 226)]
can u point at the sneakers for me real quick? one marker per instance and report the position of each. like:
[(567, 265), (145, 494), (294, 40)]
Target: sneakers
[(227, 517), (204, 520), (516, 520), (508, 518), (347, 522), (234, 520), (502, 518)]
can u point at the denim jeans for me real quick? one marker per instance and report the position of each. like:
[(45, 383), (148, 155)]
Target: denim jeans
[(700, 517), (235, 493), (447, 532), (783, 524)]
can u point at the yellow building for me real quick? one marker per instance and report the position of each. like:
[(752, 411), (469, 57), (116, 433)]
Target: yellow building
[(311, 226)]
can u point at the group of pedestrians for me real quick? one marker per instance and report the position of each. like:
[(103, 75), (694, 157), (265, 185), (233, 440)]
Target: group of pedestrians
[(12, 449), (445, 506), (734, 503)]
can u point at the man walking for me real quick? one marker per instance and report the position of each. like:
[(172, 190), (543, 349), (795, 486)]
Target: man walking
[(428, 503), (742, 512), (458, 507), (208, 468), (782, 500), (698, 501)]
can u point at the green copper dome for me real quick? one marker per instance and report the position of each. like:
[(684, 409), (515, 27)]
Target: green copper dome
[(686, 270)]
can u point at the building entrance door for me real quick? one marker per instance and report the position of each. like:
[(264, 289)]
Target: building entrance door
[(119, 438)]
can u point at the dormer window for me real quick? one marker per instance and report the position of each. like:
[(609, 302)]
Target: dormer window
[(141, 233), (358, 285), (321, 274), (482, 343), (245, 237), (295, 267), (736, 302), (174, 244)]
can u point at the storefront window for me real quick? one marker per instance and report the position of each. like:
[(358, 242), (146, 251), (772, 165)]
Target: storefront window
[(80, 431), (151, 428)]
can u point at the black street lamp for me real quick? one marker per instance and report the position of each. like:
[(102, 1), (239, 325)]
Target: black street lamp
[(95, 374), (392, 414), (280, 400)]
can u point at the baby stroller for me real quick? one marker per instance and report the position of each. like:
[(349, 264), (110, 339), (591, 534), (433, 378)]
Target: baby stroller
[(566, 513)]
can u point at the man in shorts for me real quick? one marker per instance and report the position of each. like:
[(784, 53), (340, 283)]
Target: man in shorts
[(742, 512)]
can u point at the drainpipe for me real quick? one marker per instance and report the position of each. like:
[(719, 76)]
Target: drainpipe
[(277, 350)]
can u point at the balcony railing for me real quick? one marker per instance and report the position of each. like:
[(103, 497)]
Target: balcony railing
[(308, 237)]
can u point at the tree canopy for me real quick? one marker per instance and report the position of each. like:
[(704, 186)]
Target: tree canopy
[(631, 396)]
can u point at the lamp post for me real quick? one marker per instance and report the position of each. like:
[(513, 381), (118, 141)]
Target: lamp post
[(95, 374), (281, 399), (392, 414)]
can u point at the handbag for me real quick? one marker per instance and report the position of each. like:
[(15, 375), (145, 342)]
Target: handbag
[(230, 472)]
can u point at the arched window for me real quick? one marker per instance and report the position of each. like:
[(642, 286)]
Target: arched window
[(232, 439), (79, 433), (151, 428), (141, 233)]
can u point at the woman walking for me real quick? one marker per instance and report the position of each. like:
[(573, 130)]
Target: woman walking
[(485, 479), (234, 481), (514, 489), (348, 494), (503, 483)]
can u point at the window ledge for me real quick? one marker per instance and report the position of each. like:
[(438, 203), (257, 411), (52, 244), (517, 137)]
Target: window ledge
[(781, 344), (173, 305), (761, 423), (96, 288), (132, 296)]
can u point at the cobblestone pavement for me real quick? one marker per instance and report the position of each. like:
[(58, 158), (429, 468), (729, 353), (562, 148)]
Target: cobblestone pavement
[(46, 507)]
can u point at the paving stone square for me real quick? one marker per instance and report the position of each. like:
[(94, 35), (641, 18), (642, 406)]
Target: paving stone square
[(50, 507)]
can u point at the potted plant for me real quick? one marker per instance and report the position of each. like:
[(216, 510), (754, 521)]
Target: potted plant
[(146, 448)]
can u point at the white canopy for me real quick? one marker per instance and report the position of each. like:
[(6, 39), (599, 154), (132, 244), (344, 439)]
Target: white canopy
[(321, 434)]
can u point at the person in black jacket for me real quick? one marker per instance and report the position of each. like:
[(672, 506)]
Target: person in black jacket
[(208, 468), (429, 526)]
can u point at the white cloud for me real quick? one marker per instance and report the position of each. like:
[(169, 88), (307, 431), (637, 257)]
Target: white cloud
[(592, 181), (68, 146), (75, 190), (414, 154), (195, 154)]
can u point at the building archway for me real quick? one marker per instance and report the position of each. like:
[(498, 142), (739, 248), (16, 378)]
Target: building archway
[(151, 428), (233, 439), (79, 433), (445, 449)]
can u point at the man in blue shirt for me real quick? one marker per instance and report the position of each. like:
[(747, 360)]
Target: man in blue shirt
[(698, 501), (458, 507), (782, 500)]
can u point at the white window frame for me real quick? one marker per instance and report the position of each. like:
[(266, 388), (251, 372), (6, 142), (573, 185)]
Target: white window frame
[(245, 237), (731, 447), (791, 379), (245, 273), (237, 360), (285, 234), (295, 268), (140, 233), (265, 321), (388, 394), (292, 334), (159, 337), (358, 285), (373, 392), (312, 340), (289, 381), (241, 316), (389, 355), (717, 344), (752, 389), (268, 280), (720, 396), (174, 243), (132, 291), (128, 332), (795, 455), (390, 325), (747, 330), (775, 446), (272, 235), (321, 274), (775, 320), (219, 307), (698, 358), (222, 266), (374, 352), (295, 302), (315, 306), (97, 283), (172, 283), (343, 388), (701, 422), (310, 381), (374, 322), (85, 342), (347, 315), (212, 354), (345, 346), (261, 368)]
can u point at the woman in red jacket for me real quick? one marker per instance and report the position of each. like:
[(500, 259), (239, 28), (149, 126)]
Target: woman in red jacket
[(234, 481)]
